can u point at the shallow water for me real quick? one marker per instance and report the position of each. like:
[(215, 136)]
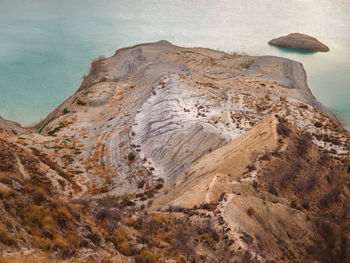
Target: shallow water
[(46, 46)]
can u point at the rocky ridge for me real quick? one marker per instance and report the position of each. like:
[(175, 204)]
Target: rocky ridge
[(197, 132)]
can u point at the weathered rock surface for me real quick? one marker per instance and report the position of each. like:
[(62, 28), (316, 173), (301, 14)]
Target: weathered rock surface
[(169, 105), (299, 41), (10, 126)]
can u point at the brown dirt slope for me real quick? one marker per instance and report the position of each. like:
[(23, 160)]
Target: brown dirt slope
[(273, 192)]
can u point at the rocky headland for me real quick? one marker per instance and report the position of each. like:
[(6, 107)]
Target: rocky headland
[(172, 154), (300, 42)]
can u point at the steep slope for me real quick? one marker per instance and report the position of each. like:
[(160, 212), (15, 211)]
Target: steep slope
[(34, 217), (218, 171), (268, 192)]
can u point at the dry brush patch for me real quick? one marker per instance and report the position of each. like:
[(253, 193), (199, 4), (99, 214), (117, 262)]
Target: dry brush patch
[(316, 183), (33, 214), (148, 237)]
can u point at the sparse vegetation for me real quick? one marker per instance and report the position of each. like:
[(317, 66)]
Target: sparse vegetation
[(318, 124), (57, 129), (331, 197), (333, 244), (50, 222), (158, 186), (65, 111), (80, 102), (313, 182), (141, 183), (251, 167), (131, 156), (246, 64), (146, 256), (158, 235), (114, 206), (304, 144), (282, 128), (238, 54), (250, 211), (42, 127), (68, 159)]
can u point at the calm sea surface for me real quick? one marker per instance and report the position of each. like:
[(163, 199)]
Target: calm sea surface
[(47, 45)]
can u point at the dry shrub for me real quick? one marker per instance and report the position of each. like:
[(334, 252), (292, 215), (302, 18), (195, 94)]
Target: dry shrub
[(8, 177), (209, 206), (331, 197), (251, 167), (271, 184), (290, 172), (146, 256), (6, 238), (282, 128), (249, 258), (250, 211), (131, 156), (125, 248), (158, 186), (121, 235), (26, 259), (34, 216), (172, 208), (312, 182), (324, 159), (318, 124), (59, 244), (303, 144), (333, 244)]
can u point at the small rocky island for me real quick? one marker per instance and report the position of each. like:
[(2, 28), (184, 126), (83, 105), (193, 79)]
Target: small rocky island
[(299, 41)]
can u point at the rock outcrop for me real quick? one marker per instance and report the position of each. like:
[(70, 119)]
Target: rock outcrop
[(299, 41)]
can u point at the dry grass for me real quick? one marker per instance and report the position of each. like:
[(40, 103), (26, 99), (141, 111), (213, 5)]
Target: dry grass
[(34, 215)]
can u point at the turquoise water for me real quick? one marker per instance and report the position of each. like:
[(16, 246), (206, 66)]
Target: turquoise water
[(47, 45)]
